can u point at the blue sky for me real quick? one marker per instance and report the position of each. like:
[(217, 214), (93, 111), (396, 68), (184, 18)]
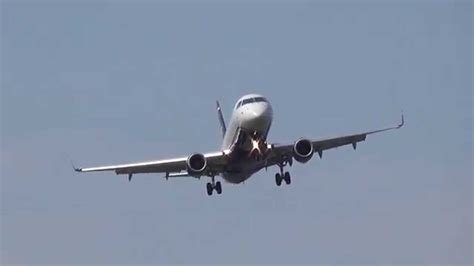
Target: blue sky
[(104, 82)]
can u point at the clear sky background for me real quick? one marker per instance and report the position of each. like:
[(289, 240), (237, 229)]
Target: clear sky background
[(105, 83)]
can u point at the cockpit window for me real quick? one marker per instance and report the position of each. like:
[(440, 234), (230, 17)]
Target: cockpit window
[(260, 99), (238, 105), (250, 100)]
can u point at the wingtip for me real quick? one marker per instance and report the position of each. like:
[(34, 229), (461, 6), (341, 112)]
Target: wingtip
[(75, 168), (402, 122)]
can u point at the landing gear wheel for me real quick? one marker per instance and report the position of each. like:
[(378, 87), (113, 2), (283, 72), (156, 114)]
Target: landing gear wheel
[(278, 179), (218, 187), (209, 189), (287, 178)]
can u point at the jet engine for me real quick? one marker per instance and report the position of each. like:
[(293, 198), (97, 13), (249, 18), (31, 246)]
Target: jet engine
[(196, 164), (303, 150)]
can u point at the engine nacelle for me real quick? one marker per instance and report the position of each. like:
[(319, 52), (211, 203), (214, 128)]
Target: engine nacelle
[(303, 150), (196, 164)]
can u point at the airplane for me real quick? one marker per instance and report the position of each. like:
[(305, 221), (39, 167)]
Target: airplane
[(244, 151)]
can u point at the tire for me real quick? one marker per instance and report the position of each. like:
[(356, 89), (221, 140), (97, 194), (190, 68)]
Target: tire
[(209, 189), (287, 178), (278, 179), (218, 187)]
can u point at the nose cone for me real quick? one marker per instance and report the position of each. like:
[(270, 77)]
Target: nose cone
[(259, 110), (257, 117)]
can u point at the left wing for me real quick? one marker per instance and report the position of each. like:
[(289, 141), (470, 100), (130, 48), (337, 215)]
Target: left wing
[(215, 162), (280, 153)]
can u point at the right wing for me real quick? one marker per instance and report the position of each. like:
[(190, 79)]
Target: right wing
[(326, 144), (281, 153), (215, 161)]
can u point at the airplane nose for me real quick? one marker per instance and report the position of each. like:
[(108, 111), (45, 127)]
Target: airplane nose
[(259, 111), (257, 117)]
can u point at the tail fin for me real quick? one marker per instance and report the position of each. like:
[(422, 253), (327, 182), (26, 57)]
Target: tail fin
[(221, 118)]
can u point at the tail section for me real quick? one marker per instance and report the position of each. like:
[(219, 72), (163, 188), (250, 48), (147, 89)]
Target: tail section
[(221, 118)]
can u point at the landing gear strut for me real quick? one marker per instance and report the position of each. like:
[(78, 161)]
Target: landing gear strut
[(279, 177), (214, 186)]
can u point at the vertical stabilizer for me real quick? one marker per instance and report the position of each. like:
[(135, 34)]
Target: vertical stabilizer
[(221, 118)]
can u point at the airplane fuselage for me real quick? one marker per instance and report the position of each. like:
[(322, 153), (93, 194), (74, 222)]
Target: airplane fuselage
[(250, 121)]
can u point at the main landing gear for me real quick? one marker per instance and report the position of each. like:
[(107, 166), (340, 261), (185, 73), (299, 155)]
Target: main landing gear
[(279, 177), (214, 186)]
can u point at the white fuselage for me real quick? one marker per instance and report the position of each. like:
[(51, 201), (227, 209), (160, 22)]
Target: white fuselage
[(252, 117)]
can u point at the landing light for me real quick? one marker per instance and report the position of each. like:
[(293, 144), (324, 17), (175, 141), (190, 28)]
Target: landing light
[(256, 145)]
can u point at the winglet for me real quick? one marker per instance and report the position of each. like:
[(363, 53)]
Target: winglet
[(75, 168), (401, 123)]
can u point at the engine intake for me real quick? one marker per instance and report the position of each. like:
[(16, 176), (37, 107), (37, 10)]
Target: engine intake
[(196, 164), (303, 150)]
